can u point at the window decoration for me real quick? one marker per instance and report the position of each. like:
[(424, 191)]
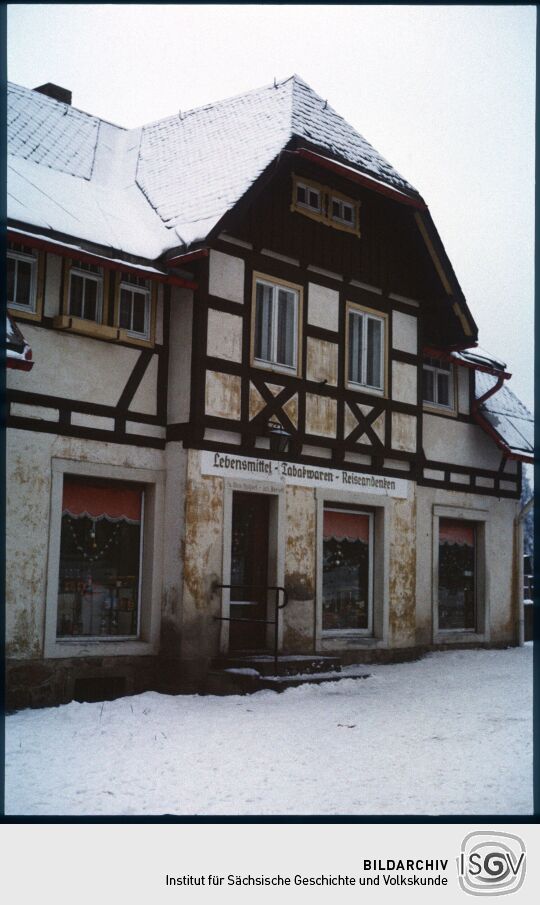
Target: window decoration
[(457, 575), (366, 349), (321, 203), (134, 306), (275, 342), (85, 292), (437, 377), (347, 581), (100, 548)]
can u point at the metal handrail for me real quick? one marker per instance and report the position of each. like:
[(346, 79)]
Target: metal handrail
[(279, 589)]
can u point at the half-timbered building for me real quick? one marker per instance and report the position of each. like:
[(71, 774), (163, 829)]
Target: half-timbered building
[(257, 418)]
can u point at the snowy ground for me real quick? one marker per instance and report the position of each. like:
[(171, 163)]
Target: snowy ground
[(450, 734)]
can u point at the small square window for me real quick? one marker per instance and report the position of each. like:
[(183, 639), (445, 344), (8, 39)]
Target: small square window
[(308, 196), (343, 212), (437, 383)]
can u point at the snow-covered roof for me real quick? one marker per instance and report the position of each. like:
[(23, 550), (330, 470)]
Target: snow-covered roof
[(479, 356), (507, 416), (196, 165), (146, 191)]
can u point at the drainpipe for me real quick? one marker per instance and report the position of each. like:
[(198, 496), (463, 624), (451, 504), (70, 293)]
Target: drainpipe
[(518, 534)]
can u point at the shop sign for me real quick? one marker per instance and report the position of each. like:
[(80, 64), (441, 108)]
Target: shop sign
[(228, 465)]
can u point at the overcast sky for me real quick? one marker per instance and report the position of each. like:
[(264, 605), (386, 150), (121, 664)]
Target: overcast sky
[(445, 93)]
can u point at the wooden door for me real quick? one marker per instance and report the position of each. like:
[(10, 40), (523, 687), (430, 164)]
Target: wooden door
[(249, 571)]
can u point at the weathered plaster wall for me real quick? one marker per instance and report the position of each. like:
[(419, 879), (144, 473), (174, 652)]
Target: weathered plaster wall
[(323, 307), (300, 553), (28, 467), (181, 323), (203, 558), (499, 559), (404, 332), (322, 361), (74, 367), (226, 276), (176, 458), (402, 579), (464, 444)]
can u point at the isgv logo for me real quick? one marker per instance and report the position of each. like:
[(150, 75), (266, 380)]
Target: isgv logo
[(491, 864)]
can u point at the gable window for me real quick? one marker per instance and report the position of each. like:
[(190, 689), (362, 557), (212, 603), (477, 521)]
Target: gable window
[(85, 291), (343, 211), (134, 306), (437, 383), (275, 341), (366, 349), (308, 196), (321, 203)]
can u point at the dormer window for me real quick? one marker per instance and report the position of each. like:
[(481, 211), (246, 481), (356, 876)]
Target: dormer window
[(85, 291), (134, 306), (438, 383)]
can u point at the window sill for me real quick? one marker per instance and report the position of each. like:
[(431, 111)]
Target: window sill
[(98, 331), (458, 636), (275, 368), (361, 388), (23, 314), (103, 648), (433, 409)]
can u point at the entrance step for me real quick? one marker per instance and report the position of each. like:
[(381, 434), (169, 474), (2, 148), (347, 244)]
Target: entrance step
[(287, 664), (247, 680)]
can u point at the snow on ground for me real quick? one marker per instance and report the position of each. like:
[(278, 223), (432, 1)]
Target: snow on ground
[(449, 734)]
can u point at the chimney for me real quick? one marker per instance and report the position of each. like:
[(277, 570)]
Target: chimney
[(56, 92)]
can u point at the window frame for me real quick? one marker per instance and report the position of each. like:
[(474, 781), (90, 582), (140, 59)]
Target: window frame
[(352, 308), (440, 407), (150, 291), (277, 284), (151, 569), (480, 518), (87, 325), (357, 632), (91, 276), (36, 258), (324, 215)]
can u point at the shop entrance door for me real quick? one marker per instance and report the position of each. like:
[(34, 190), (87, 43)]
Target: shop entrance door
[(249, 571)]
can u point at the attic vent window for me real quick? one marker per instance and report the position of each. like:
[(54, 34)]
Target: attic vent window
[(325, 205), (310, 197)]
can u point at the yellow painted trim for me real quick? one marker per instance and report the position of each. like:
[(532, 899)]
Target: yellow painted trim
[(268, 365), (433, 254), (86, 327), (382, 315), (324, 215), (464, 322), (126, 337)]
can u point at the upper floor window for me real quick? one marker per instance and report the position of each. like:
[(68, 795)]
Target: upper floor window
[(134, 306), (85, 291), (366, 349), (321, 203), (22, 273), (438, 383), (275, 340), (308, 196)]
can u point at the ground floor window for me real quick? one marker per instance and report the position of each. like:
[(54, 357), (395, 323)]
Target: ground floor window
[(347, 571), (457, 574), (100, 556)]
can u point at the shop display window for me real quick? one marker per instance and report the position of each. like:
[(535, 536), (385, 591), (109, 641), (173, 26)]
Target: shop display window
[(347, 571)]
